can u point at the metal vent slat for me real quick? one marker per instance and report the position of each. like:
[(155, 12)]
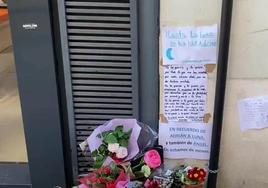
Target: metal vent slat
[(99, 116), (102, 76), (102, 82), (100, 57), (98, 70), (96, 4), (98, 31), (101, 111), (99, 44), (100, 38), (100, 52), (101, 94), (87, 64), (90, 122), (102, 105), (101, 100), (84, 159), (83, 133), (85, 128), (87, 123), (97, 11), (101, 88), (97, 18), (102, 25)]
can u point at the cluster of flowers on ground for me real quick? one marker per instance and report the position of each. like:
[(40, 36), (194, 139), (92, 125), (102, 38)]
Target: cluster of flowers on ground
[(125, 155)]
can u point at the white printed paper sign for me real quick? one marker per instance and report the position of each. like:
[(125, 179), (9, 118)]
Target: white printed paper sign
[(189, 45), (185, 140), (185, 93), (253, 113)]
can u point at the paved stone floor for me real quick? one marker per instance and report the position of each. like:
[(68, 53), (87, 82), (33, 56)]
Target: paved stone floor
[(12, 141)]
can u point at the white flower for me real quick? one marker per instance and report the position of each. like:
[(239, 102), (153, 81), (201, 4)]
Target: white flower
[(113, 147), (121, 153)]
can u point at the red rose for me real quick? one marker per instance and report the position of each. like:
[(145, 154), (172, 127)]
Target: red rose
[(90, 178), (99, 171), (152, 158), (101, 180), (107, 170), (110, 184)]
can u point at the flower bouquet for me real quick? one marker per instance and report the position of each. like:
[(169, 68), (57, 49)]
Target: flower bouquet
[(123, 151), (115, 141), (109, 177)]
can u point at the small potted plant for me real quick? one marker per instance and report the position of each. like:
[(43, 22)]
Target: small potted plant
[(194, 177), (189, 177)]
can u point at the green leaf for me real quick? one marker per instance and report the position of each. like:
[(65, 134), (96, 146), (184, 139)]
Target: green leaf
[(120, 134), (114, 168), (126, 136), (99, 158), (94, 153), (119, 128), (104, 134), (123, 143), (97, 165), (110, 139), (102, 148)]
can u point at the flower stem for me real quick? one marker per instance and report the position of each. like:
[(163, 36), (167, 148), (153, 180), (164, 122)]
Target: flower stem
[(139, 165)]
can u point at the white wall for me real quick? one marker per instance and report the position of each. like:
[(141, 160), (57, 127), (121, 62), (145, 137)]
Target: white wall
[(243, 159)]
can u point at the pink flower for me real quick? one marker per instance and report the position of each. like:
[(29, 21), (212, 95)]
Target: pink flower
[(152, 158), (122, 184)]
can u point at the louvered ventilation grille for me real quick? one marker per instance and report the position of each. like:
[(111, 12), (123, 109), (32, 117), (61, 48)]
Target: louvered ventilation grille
[(99, 39)]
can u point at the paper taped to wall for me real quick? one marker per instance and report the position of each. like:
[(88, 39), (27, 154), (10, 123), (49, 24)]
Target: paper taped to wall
[(189, 45), (185, 140), (253, 113), (185, 93)]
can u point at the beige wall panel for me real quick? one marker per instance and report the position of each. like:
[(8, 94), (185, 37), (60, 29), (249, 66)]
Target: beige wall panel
[(243, 159), (249, 40), (189, 12)]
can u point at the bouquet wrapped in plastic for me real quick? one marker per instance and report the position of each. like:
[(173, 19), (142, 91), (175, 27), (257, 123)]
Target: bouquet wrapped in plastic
[(124, 143), (120, 140)]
